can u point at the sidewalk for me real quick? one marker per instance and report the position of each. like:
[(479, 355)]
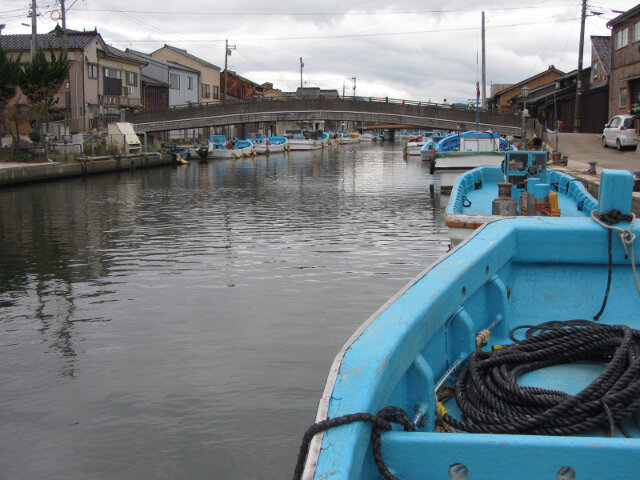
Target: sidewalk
[(582, 148)]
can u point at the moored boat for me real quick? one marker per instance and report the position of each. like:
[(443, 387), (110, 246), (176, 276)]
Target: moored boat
[(267, 145), (456, 389), (523, 185), (221, 147), (460, 152), (305, 140)]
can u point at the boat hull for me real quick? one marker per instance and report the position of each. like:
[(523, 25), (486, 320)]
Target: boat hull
[(269, 149), (296, 144), (229, 153), (511, 272)]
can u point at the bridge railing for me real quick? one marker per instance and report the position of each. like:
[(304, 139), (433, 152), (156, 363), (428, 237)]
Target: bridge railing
[(451, 112)]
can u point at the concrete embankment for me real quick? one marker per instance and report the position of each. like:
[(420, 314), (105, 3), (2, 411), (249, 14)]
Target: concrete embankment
[(585, 148), (11, 174)]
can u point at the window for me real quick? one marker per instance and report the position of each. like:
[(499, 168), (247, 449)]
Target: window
[(206, 90), (623, 97), (174, 81), (189, 83), (621, 39), (636, 32), (216, 91), (112, 81), (92, 70), (132, 78), (594, 70), (112, 73)]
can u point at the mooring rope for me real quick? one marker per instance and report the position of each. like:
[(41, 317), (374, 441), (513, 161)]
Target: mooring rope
[(381, 422), (608, 220), (492, 401)]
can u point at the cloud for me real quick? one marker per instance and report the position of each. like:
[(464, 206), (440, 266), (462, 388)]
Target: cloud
[(404, 49)]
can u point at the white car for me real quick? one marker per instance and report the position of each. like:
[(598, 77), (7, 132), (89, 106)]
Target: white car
[(620, 132)]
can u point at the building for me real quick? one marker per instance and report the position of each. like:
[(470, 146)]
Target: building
[(624, 80), (273, 93), (504, 100), (182, 81), (209, 87), (239, 88), (103, 81), (553, 104)]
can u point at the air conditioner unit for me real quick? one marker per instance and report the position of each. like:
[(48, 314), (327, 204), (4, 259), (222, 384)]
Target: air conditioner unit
[(127, 90)]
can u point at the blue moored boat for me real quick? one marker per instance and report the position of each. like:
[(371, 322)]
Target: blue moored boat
[(459, 152), (523, 185), (561, 402)]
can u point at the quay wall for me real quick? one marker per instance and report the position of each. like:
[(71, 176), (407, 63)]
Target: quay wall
[(85, 166)]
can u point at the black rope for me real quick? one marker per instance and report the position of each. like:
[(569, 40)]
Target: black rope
[(465, 201), (380, 422), (610, 217), (491, 400)]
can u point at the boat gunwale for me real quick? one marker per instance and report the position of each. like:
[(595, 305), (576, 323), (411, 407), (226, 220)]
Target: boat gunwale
[(511, 227)]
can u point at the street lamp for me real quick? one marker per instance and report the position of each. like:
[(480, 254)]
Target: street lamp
[(525, 113)]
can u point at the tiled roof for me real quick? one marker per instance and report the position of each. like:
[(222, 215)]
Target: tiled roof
[(192, 57), (76, 40), (602, 46), (114, 52)]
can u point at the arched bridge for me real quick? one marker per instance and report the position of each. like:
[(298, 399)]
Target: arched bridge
[(365, 110)]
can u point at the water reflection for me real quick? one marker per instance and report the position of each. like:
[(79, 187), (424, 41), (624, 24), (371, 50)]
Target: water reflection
[(179, 322)]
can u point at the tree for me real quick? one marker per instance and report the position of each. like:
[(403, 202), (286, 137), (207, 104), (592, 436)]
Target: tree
[(40, 82), (9, 78)]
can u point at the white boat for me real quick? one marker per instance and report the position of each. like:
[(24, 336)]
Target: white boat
[(221, 147), (370, 137), (459, 152), (304, 140), (350, 137), (264, 145)]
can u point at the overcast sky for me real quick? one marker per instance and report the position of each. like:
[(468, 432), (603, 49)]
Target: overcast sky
[(427, 51)]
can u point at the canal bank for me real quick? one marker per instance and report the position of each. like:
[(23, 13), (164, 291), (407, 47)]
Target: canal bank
[(17, 173)]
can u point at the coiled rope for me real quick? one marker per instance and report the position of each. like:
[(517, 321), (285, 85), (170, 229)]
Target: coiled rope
[(381, 423), (492, 401)]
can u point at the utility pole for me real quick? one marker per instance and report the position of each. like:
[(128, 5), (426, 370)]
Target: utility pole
[(301, 67), (34, 28), (227, 53), (354, 87), (576, 114), (63, 15), (344, 85), (484, 71)]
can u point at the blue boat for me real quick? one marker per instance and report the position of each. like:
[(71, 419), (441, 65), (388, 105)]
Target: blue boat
[(523, 185), (459, 152), (453, 396)]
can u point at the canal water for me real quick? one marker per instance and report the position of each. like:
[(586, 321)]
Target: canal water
[(180, 323)]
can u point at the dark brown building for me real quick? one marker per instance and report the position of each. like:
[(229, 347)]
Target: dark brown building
[(239, 88), (155, 94), (624, 82)]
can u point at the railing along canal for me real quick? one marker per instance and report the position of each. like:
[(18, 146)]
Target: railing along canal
[(361, 109)]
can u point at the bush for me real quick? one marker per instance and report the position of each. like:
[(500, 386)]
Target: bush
[(35, 136)]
